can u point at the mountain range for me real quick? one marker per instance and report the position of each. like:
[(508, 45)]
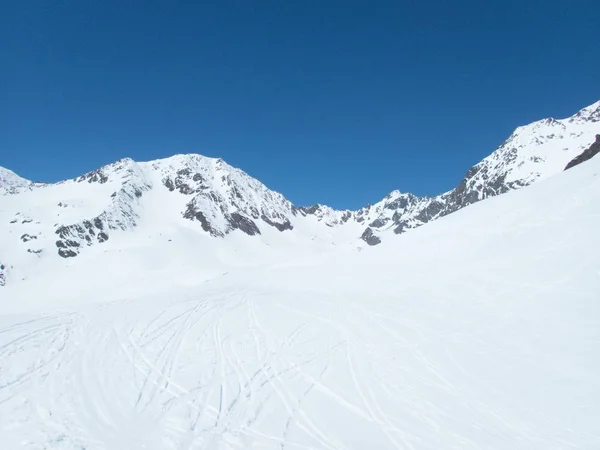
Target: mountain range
[(40, 220), (181, 304)]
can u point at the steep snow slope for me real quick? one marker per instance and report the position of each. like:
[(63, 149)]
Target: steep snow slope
[(478, 331), (11, 183), (587, 154), (39, 222), (189, 198), (532, 152)]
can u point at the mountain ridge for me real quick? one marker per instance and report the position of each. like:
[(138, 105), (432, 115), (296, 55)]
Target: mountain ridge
[(218, 199)]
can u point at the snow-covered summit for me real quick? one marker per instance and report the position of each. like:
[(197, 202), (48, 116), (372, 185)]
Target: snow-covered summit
[(11, 183), (209, 197), (221, 197), (531, 153), (588, 114)]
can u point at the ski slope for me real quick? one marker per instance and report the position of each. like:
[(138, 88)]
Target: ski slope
[(480, 330)]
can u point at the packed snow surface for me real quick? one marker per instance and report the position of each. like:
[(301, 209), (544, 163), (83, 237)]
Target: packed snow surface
[(478, 331)]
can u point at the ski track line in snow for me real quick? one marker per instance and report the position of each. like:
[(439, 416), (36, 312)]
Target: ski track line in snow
[(307, 425), (381, 420)]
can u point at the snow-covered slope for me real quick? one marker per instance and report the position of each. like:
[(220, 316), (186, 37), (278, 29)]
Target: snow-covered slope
[(532, 152), (11, 183), (477, 331), (128, 202), (586, 155), (39, 223), (38, 220)]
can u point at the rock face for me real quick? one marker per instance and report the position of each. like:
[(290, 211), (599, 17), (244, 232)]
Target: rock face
[(215, 198), (120, 214), (587, 154), (531, 153), (370, 238), (222, 198)]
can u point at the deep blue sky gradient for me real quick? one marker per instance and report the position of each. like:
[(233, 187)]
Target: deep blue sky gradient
[(337, 102)]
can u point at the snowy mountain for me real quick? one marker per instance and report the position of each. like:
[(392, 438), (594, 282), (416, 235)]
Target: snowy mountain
[(531, 153), (587, 154), (477, 331), (11, 183), (211, 198)]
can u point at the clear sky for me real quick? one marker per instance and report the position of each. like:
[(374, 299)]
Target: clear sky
[(337, 102)]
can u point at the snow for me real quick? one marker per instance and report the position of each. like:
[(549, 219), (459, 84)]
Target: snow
[(217, 199), (545, 147), (480, 330), (11, 183)]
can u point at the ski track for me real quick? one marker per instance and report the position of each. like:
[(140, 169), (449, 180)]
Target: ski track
[(219, 372)]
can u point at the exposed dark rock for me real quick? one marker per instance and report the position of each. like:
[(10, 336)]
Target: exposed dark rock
[(184, 182), (67, 248), (192, 213), (370, 238), (237, 193), (27, 221), (66, 253), (430, 212), (401, 228), (402, 202), (378, 223), (27, 237), (67, 243), (169, 184), (96, 176), (254, 213), (239, 222), (588, 154), (285, 225), (309, 209), (72, 236), (36, 252), (185, 189)]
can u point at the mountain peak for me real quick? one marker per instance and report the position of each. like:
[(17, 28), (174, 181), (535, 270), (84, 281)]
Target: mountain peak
[(11, 183), (208, 195), (588, 114)]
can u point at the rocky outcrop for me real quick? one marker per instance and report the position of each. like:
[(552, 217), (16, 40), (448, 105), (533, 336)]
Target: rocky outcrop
[(588, 154), (221, 199), (370, 238), (224, 199), (518, 162), (121, 213)]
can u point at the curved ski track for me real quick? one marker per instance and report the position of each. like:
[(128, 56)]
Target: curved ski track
[(246, 370)]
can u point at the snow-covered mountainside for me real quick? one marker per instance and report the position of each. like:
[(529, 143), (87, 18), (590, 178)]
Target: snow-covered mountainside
[(39, 222), (477, 331), (11, 183), (587, 154), (531, 153)]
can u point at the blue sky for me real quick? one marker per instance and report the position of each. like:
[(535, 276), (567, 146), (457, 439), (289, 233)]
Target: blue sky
[(337, 102)]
